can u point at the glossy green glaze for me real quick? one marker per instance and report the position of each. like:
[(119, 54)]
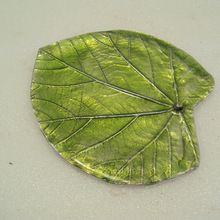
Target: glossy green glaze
[(119, 105)]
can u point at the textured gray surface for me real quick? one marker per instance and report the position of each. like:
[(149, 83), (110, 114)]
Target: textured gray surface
[(35, 183)]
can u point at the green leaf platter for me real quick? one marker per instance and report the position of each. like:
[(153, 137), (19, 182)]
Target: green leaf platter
[(119, 105)]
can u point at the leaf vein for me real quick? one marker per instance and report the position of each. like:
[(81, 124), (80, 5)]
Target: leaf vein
[(137, 70), (174, 77), (74, 133), (144, 147), (95, 59), (106, 139), (141, 114), (116, 88), (49, 101), (189, 135)]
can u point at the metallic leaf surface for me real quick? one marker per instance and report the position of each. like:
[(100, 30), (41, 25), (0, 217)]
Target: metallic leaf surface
[(119, 105)]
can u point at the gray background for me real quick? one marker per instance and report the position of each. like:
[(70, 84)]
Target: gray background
[(38, 184)]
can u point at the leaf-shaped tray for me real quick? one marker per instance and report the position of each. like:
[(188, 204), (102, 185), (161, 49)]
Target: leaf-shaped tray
[(119, 104)]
